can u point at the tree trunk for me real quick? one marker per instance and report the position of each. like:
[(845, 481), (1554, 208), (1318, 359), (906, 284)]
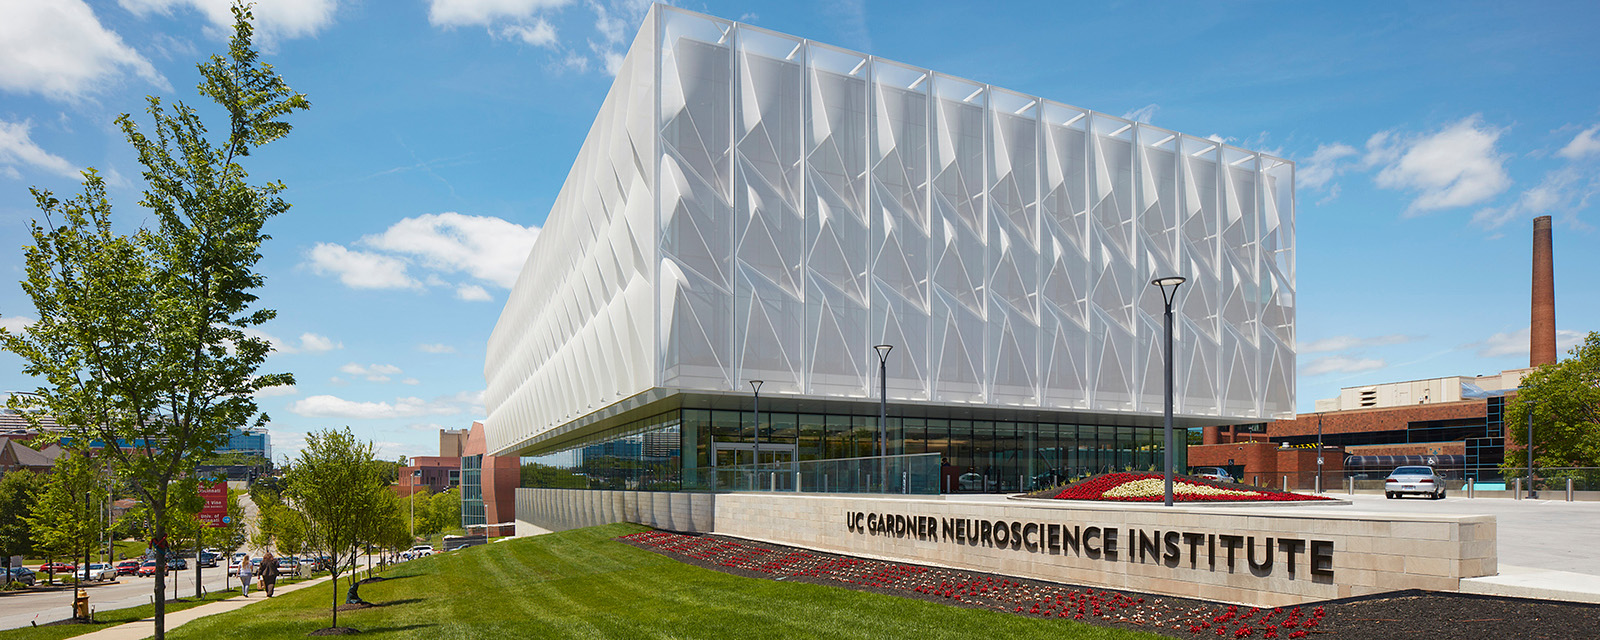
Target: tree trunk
[(199, 549), (335, 572), (159, 535)]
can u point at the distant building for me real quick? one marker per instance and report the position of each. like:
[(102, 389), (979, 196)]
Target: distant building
[(255, 442), (14, 455), (452, 442), (437, 473), (488, 487)]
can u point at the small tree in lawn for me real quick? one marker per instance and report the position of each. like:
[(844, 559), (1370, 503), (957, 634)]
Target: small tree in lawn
[(140, 341), (443, 513), (19, 490), (66, 518), (337, 484)]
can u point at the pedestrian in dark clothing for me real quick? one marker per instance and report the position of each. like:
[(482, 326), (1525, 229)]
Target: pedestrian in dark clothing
[(269, 573)]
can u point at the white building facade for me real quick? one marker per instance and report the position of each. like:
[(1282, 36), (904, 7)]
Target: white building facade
[(754, 206)]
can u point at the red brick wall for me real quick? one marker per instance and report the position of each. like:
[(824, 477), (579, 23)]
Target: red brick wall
[(1383, 419), (500, 477)]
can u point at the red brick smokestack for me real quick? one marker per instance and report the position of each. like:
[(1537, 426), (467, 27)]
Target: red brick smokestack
[(1542, 329)]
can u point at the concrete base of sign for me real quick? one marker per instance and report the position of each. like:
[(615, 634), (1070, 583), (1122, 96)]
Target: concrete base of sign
[(1247, 555)]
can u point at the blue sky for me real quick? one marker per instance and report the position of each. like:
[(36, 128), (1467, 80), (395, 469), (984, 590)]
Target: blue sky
[(1427, 137)]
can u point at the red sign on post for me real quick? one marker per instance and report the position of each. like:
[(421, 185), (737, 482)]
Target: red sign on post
[(215, 513)]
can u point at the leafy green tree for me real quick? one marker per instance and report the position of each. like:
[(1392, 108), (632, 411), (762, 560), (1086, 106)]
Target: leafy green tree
[(279, 528), (1565, 400), (443, 513), (336, 483), (66, 518), (19, 490), (140, 340), (548, 477)]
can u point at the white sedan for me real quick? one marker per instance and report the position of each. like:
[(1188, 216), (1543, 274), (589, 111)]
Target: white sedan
[(1413, 480), (98, 571)]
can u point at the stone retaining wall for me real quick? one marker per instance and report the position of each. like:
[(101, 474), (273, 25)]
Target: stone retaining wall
[(1181, 551)]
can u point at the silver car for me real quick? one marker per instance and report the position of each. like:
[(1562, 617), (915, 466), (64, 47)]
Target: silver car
[(1413, 480)]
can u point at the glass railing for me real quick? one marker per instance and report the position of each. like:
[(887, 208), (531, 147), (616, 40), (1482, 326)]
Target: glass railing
[(915, 474), (1455, 480)]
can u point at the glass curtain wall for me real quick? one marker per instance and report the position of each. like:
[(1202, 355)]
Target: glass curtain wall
[(679, 450)]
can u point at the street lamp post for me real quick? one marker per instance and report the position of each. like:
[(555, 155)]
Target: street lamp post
[(755, 407), (1319, 453), (883, 412), (416, 477), (1531, 405), (1169, 291)]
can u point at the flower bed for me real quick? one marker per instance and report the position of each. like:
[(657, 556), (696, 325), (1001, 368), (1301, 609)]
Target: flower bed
[(1151, 487), (1172, 616)]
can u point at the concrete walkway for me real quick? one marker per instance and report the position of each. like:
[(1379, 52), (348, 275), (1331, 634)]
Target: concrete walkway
[(147, 627)]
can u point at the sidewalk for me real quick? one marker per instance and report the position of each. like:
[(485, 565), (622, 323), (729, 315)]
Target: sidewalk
[(147, 627)]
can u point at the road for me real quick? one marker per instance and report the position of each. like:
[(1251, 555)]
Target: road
[(20, 609)]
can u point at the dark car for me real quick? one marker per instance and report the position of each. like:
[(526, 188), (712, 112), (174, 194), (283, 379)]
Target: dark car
[(21, 574), (208, 560), (128, 568), (177, 564)]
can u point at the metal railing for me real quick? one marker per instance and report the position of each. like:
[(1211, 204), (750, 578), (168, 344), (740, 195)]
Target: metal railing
[(1456, 480), (915, 474)]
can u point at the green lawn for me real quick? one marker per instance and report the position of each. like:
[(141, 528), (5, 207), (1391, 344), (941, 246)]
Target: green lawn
[(581, 584)]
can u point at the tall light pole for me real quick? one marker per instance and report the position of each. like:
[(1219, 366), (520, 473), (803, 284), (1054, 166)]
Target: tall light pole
[(1531, 404), (755, 407), (883, 412), (416, 477), (1319, 452), (1169, 291)]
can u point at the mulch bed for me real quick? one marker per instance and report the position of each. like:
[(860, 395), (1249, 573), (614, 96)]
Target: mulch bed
[(1402, 615)]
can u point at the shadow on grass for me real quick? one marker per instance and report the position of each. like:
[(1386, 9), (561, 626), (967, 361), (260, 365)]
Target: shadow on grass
[(408, 627)]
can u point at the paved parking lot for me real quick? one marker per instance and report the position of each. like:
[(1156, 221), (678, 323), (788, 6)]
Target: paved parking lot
[(1544, 534)]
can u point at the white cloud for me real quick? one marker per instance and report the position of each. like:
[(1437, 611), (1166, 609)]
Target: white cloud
[(15, 324), (411, 381), (484, 247), (1562, 191), (473, 293), (1341, 343), (1340, 364), (309, 342), (436, 348), (1584, 144), (373, 373), (18, 148), (314, 343), (1456, 166), (360, 269), (327, 406), (1327, 162), (274, 20), (1515, 343), (1143, 114), (455, 13), (280, 390), (538, 34), (60, 50)]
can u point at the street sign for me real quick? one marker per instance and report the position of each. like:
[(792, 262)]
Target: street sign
[(215, 513)]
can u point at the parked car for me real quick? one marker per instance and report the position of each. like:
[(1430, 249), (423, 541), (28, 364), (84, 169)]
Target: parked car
[(1218, 474), (58, 567), (128, 568), (177, 564), (288, 564), (419, 551), (21, 574), (147, 568), (208, 559), (97, 571), (1413, 480)]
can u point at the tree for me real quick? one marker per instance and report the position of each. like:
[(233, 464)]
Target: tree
[(336, 483), (18, 491), (443, 513), (279, 527), (1565, 400), (140, 341), (66, 517)]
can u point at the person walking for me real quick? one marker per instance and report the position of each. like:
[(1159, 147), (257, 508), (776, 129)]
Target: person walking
[(245, 571), (269, 573)]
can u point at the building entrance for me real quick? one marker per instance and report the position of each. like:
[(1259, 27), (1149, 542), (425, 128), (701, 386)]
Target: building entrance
[(729, 454)]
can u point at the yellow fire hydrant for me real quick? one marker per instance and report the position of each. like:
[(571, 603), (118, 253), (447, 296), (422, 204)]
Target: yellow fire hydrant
[(80, 604)]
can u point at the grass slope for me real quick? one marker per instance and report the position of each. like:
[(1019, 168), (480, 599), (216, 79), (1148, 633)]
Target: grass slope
[(581, 584)]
